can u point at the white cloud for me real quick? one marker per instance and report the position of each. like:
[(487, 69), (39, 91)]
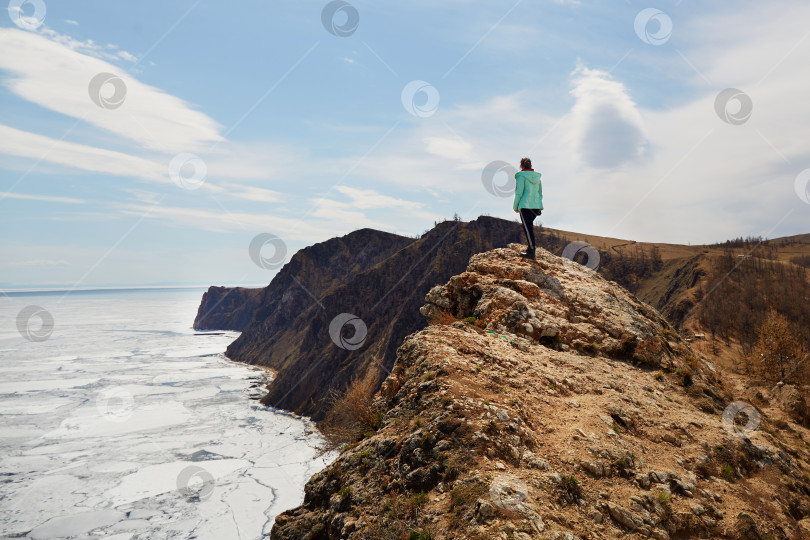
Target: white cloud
[(368, 198), (607, 128), (45, 198), (103, 217), (674, 173), (251, 193), (407, 217), (670, 173), (89, 47), (233, 161), (319, 219), (55, 75), (341, 213), (53, 70), (216, 220), (124, 55), (447, 159), (89, 158), (306, 221), (140, 195), (456, 149)]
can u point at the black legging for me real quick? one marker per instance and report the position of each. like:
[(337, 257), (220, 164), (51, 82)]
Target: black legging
[(527, 216)]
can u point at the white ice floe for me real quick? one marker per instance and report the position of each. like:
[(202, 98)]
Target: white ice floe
[(20, 387), (124, 424), (32, 405), (93, 422), (199, 393), (199, 374), (76, 524), (163, 478), (115, 466)]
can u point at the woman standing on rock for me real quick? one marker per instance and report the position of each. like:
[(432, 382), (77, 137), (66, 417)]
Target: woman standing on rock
[(528, 201)]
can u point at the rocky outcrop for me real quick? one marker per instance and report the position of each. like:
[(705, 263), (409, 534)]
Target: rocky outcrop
[(227, 308), (554, 301), (545, 402), (379, 279)]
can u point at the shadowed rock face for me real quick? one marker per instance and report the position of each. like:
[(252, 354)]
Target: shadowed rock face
[(227, 308), (378, 277), (312, 270), (557, 407)]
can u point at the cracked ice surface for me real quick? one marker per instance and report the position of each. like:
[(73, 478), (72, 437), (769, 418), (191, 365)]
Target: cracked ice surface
[(125, 424)]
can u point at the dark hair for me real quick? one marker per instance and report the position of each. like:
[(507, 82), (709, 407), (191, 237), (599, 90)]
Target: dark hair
[(525, 163)]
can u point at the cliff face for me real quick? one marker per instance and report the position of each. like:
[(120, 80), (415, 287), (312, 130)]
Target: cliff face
[(380, 279), (549, 403), (312, 270), (227, 308)]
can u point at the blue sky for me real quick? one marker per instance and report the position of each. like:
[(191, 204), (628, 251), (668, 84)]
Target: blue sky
[(306, 135)]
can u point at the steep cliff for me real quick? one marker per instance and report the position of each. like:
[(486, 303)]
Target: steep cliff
[(379, 280), (545, 402), (311, 271), (227, 308)]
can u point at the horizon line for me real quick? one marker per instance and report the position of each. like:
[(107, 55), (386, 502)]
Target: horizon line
[(123, 288)]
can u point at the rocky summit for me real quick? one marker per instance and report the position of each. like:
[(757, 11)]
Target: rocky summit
[(543, 401)]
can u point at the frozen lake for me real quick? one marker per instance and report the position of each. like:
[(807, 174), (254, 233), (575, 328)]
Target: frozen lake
[(125, 424)]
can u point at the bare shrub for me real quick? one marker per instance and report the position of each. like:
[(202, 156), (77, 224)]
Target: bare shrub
[(779, 354), (442, 317), (352, 414)]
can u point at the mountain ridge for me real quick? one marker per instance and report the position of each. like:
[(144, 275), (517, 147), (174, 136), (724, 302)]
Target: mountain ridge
[(290, 333), (343, 273), (547, 402)]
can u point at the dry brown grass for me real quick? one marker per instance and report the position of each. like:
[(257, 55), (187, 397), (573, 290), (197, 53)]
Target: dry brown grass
[(352, 415), (443, 317)]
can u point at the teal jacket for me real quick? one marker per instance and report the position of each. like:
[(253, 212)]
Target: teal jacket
[(528, 191)]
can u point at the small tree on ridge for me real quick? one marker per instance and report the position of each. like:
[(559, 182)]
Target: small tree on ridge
[(779, 354)]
